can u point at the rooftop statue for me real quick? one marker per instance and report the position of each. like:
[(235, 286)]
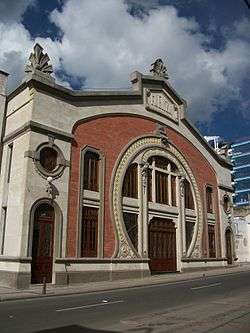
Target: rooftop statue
[(39, 61), (159, 69)]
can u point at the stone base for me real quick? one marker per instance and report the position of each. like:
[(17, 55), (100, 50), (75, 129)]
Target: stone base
[(16, 280), (63, 278), (203, 264)]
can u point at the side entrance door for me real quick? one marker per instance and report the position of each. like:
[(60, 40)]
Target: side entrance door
[(42, 245), (162, 245)]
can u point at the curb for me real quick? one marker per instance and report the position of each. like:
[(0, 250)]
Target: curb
[(201, 275)]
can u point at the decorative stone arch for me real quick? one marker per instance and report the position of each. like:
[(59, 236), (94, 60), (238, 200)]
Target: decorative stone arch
[(152, 145), (57, 230)]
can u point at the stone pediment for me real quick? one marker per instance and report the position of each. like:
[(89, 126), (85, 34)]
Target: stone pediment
[(159, 101)]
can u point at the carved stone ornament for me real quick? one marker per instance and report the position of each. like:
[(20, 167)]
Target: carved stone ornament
[(144, 173), (159, 101), (159, 69), (39, 61)]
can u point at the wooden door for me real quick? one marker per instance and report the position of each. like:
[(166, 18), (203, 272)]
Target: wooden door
[(162, 245), (42, 245), (229, 247)]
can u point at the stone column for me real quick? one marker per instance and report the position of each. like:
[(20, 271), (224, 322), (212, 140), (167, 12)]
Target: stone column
[(181, 205), (144, 208)]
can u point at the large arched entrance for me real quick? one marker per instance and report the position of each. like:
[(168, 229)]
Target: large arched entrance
[(229, 249), (162, 245), (42, 244)]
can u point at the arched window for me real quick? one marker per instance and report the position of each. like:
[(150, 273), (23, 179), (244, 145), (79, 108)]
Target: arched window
[(130, 184), (91, 171), (91, 203), (162, 181), (188, 195)]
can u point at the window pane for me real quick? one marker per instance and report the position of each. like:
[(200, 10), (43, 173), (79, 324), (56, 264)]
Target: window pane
[(89, 232), (161, 180), (130, 182), (189, 233), (173, 190), (161, 162), (189, 201), (48, 158), (131, 225), (209, 198), (91, 172), (211, 241)]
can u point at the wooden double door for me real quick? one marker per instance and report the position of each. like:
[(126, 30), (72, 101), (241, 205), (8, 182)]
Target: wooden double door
[(162, 245), (42, 244)]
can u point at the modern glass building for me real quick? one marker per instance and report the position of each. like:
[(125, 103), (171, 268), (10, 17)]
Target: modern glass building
[(240, 157)]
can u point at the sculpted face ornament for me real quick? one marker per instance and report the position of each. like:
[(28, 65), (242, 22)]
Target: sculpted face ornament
[(159, 69)]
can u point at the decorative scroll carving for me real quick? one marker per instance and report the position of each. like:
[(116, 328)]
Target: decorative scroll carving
[(39, 61), (144, 173), (159, 69)]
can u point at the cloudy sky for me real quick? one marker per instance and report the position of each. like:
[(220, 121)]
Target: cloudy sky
[(98, 43)]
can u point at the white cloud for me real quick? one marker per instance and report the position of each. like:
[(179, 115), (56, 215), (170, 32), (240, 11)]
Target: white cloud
[(12, 10), (102, 43)]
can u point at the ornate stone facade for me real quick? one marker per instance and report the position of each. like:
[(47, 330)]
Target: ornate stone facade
[(43, 176)]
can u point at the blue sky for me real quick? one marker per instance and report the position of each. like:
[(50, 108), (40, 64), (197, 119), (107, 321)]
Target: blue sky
[(98, 43)]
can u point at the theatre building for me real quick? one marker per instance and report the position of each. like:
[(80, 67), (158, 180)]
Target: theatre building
[(104, 185)]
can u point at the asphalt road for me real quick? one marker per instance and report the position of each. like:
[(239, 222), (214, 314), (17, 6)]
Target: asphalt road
[(213, 304)]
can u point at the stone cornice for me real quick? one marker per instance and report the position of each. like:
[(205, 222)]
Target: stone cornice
[(226, 188), (15, 259), (39, 82), (99, 260), (202, 259), (39, 128), (118, 97)]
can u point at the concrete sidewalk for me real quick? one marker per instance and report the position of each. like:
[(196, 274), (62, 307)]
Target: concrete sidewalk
[(35, 291)]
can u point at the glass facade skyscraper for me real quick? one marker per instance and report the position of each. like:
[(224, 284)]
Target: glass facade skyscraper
[(240, 157)]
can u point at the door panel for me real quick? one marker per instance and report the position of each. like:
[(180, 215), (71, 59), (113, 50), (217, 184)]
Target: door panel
[(162, 245), (42, 246)]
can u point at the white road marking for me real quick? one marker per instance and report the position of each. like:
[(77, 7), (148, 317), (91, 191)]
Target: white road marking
[(88, 306), (206, 286)]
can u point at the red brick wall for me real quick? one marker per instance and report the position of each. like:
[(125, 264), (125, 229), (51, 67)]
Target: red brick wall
[(110, 135)]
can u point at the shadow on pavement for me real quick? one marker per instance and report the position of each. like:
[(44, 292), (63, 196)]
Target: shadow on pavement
[(73, 329)]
